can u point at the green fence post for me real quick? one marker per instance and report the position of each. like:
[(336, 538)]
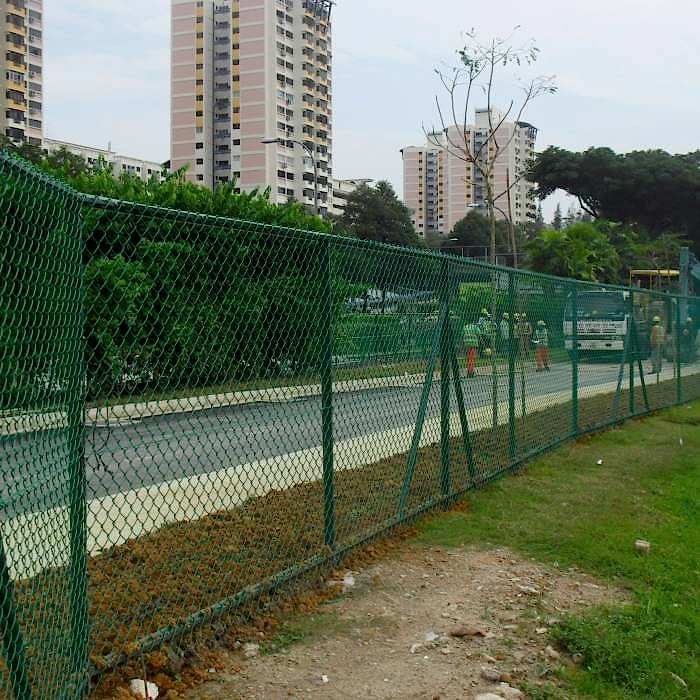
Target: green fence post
[(77, 490), (632, 337), (574, 362), (510, 348), (12, 641), (640, 368), (461, 409), (420, 420), (679, 384), (445, 476), (326, 318)]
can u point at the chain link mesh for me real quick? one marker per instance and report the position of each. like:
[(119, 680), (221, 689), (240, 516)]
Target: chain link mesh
[(196, 410)]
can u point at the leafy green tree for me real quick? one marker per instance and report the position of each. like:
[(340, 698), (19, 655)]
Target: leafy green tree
[(475, 230), (580, 251), (66, 163), (654, 190), (377, 214)]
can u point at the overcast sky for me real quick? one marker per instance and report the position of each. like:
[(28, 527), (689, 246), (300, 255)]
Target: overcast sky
[(627, 70)]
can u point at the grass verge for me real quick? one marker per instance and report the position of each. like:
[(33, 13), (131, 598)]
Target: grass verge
[(569, 508)]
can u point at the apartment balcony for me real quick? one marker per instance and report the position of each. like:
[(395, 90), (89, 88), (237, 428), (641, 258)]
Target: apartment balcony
[(17, 7)]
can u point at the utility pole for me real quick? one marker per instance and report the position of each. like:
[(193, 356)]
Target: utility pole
[(312, 155)]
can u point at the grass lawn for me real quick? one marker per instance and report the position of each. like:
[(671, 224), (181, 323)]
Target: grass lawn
[(567, 508)]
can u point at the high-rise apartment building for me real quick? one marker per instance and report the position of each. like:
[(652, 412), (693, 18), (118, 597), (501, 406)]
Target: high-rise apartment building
[(441, 187), (246, 71), (21, 97)]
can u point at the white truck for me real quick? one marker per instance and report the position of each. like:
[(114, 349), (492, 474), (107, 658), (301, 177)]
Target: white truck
[(602, 324)]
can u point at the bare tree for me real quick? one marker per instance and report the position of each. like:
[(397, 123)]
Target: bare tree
[(477, 71), (479, 67)]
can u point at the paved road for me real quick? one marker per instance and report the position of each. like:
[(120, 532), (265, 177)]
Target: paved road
[(123, 457)]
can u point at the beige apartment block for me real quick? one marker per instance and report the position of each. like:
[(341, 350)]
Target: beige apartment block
[(118, 164), (441, 187), (244, 71), (21, 47)]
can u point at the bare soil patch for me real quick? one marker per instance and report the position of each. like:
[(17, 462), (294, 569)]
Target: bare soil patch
[(392, 634)]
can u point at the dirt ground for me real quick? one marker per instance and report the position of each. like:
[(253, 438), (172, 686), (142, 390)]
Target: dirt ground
[(424, 623)]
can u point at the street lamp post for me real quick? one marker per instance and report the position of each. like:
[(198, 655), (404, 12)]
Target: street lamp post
[(313, 162)]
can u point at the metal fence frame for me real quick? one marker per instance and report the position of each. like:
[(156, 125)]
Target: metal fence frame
[(443, 353)]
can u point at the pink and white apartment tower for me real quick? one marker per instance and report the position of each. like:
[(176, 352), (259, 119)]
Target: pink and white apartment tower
[(247, 71)]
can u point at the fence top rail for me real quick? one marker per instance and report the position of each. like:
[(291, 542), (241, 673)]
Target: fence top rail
[(275, 230)]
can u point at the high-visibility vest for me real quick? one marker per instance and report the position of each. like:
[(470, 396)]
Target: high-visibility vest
[(471, 335), (542, 337)]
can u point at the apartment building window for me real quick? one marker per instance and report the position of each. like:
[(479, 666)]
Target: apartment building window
[(200, 161), (200, 178), (199, 146)]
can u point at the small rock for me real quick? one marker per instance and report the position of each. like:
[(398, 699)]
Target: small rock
[(488, 696), (324, 679), (510, 693), (506, 678), (250, 650), (528, 590), (348, 581), (430, 637), (642, 546), (599, 462), (491, 675), (211, 670), (541, 630), (467, 632), (415, 648), (551, 653), (143, 689), (577, 658)]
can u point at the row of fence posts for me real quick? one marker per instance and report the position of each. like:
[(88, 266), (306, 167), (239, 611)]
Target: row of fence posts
[(445, 346)]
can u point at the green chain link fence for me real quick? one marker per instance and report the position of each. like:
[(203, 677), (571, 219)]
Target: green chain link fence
[(195, 410)]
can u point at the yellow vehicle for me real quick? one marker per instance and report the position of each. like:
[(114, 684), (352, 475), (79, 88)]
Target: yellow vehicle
[(655, 280)]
